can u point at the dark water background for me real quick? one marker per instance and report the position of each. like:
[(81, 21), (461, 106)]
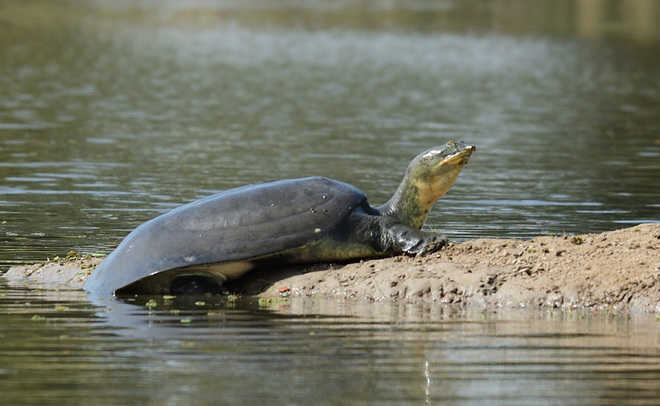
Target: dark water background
[(111, 113), (114, 112)]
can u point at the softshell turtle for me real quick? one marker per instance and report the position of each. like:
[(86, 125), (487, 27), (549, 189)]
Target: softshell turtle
[(204, 243)]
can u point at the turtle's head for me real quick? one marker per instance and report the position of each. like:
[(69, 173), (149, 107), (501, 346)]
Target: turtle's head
[(429, 177), (435, 170)]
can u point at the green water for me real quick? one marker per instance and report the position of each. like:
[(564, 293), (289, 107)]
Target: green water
[(114, 112)]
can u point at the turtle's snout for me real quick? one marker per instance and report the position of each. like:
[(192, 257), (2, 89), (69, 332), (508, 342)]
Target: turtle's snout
[(465, 148), (469, 149), (466, 153)]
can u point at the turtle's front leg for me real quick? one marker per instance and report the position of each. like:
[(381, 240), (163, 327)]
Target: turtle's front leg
[(414, 242)]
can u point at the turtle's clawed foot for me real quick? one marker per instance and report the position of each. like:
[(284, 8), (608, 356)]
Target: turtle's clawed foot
[(414, 242), (428, 243)]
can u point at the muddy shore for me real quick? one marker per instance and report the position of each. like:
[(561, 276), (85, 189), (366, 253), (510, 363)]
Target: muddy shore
[(618, 270)]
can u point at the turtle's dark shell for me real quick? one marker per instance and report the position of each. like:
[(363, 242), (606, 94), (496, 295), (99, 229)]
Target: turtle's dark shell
[(239, 224)]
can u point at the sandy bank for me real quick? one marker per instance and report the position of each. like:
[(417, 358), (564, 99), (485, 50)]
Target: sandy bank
[(618, 269)]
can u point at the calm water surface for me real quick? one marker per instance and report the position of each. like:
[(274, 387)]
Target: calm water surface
[(114, 112), (59, 348)]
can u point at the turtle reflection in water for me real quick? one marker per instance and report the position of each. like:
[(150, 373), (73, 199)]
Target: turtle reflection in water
[(198, 246)]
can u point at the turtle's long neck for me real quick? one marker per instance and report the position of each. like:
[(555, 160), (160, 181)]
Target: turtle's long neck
[(428, 177), (409, 204)]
